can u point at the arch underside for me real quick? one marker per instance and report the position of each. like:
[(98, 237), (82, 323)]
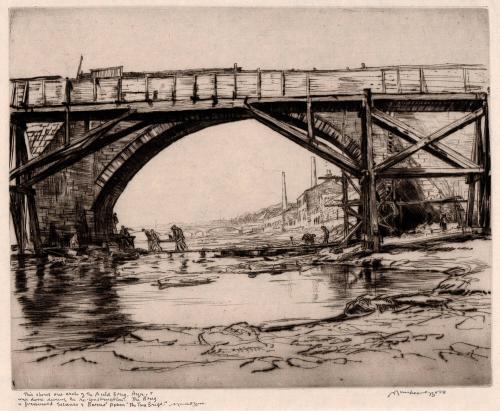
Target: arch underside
[(116, 183)]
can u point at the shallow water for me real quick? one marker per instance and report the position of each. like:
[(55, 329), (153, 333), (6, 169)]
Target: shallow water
[(96, 301)]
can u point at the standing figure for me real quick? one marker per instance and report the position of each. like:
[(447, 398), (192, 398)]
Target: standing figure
[(115, 223), (178, 235), (126, 239), (74, 244), (147, 233), (156, 240), (326, 234), (443, 221), (54, 239)]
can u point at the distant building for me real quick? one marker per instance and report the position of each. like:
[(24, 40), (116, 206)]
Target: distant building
[(320, 204)]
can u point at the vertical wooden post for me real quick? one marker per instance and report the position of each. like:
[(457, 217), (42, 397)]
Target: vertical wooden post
[(214, 95), (66, 128), (94, 83), (174, 88), (471, 179), (398, 80), (42, 86), (26, 94), (485, 181), (235, 72), (194, 97), (345, 199), (369, 191), (13, 97), (421, 73), (17, 204), (383, 82), (68, 87), (465, 79), (309, 113), (119, 90), (19, 200), (146, 87), (345, 186), (34, 224), (283, 83), (259, 84)]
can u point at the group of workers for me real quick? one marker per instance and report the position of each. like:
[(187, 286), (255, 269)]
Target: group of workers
[(127, 241), (177, 236)]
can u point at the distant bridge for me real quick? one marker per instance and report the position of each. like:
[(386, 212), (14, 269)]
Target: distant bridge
[(224, 228), (76, 143)]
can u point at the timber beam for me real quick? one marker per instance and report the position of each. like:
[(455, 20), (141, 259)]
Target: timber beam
[(422, 172), (317, 147), (440, 150), (55, 155), (321, 130), (72, 154), (432, 138), (368, 182)]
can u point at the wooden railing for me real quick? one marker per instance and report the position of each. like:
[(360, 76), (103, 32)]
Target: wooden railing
[(214, 85)]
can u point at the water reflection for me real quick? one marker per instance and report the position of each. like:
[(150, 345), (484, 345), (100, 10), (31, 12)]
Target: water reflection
[(69, 306), (98, 301)]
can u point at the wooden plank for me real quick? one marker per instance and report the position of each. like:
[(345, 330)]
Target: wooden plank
[(438, 149), (434, 137), (422, 172), (319, 148), (451, 200)]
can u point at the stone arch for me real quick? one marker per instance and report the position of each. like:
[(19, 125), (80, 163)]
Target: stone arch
[(114, 178)]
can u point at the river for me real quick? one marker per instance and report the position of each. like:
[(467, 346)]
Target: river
[(95, 301)]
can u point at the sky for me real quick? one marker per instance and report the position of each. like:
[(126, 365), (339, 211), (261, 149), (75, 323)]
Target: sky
[(229, 169)]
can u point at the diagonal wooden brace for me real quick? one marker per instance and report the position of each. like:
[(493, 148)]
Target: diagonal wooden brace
[(422, 143), (317, 147), (77, 153), (440, 150), (321, 130), (48, 158)]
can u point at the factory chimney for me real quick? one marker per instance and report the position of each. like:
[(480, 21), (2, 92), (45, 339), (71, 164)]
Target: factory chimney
[(284, 201), (314, 179)]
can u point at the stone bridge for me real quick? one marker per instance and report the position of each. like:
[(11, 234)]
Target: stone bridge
[(76, 143)]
